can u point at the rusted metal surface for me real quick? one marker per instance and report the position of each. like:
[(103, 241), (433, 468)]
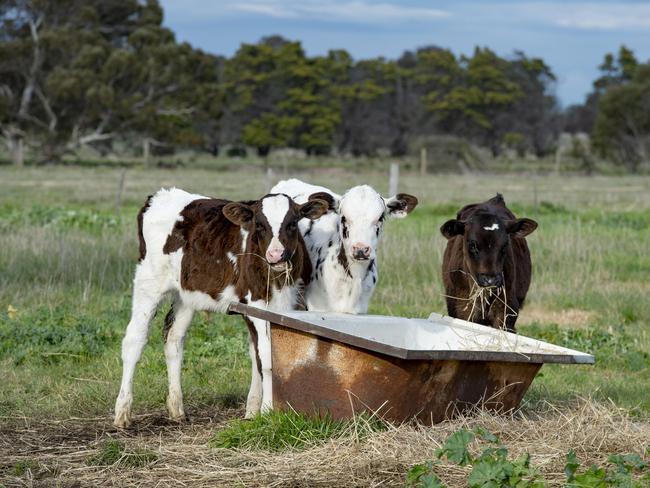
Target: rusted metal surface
[(319, 368), (313, 374)]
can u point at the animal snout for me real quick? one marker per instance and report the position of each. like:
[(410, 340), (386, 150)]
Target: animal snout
[(485, 279), (275, 255), (361, 251)]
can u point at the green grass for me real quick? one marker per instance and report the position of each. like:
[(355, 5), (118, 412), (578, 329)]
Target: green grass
[(67, 257), (281, 430), (113, 452)]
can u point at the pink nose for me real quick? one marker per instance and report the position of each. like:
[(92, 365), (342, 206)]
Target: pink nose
[(274, 255), (360, 251)]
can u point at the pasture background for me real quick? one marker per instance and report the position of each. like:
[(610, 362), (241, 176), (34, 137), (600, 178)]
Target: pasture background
[(67, 257)]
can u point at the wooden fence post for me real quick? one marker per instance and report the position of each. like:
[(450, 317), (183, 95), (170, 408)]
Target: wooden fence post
[(146, 150), (423, 161), (269, 179), (120, 190), (393, 180)]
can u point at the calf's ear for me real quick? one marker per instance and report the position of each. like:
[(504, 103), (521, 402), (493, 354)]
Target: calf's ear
[(498, 200), (453, 228), (520, 227), (400, 205), (332, 203), (238, 213), (313, 209)]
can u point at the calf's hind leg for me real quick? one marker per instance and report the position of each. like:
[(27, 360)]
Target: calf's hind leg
[(143, 308), (177, 322), (263, 334), (254, 399)]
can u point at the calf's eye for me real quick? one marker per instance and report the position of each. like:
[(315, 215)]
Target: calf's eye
[(473, 248)]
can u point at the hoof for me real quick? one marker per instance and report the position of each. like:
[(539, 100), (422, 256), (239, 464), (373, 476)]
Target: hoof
[(176, 410), (122, 420), (178, 419)]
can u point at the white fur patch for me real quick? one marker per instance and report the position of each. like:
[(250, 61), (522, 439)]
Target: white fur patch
[(275, 210), (232, 258), (494, 226), (244, 238), (199, 300)]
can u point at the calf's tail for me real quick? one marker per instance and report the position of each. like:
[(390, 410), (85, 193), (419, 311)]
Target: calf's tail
[(143, 244)]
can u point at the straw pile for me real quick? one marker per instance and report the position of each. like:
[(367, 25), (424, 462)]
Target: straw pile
[(61, 453)]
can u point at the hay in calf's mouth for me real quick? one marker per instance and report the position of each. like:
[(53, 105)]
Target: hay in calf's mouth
[(479, 301), (181, 455)]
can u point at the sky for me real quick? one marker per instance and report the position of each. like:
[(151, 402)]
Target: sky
[(571, 36)]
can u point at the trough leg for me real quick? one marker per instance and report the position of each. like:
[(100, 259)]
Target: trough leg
[(174, 343), (143, 307), (263, 330)]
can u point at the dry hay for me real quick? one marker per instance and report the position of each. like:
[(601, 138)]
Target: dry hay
[(59, 451)]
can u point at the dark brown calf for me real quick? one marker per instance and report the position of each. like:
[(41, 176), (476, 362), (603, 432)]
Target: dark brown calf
[(486, 267)]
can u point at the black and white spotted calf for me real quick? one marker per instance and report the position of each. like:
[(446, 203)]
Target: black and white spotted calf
[(343, 243), (208, 253)]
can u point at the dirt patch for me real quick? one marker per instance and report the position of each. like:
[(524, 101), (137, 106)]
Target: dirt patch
[(572, 317), (58, 453)]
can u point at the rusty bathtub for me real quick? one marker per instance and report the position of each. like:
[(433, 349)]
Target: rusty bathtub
[(401, 368)]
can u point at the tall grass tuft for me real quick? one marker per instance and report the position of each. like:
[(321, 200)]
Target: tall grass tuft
[(281, 430)]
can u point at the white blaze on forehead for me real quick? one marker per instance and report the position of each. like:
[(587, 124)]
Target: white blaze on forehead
[(362, 205), (494, 226), (275, 209)]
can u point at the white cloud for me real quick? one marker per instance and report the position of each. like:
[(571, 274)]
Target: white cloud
[(270, 10), (588, 15), (355, 11)]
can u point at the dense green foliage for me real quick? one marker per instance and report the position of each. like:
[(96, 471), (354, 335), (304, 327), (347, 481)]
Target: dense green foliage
[(97, 73), (109, 76)]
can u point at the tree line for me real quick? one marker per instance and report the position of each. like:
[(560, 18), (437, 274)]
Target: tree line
[(102, 73)]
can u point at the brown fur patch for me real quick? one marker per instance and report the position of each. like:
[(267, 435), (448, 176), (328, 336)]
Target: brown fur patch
[(143, 244), (206, 236)]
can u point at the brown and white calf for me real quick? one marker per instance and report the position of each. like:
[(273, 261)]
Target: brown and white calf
[(343, 243), (486, 267), (208, 253)]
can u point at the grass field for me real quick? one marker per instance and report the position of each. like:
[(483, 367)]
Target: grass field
[(67, 256)]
